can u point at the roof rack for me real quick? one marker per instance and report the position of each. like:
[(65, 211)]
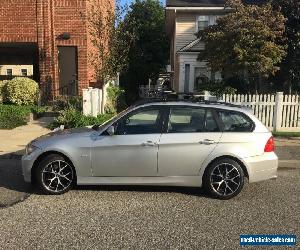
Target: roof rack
[(189, 98)]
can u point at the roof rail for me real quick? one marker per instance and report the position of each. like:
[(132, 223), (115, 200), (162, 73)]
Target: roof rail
[(189, 98)]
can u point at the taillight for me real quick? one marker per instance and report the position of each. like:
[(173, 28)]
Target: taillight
[(270, 146)]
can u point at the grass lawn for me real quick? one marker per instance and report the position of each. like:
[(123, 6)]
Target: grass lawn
[(286, 134), (12, 116)]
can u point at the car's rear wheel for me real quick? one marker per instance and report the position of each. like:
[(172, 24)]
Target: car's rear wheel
[(224, 179), (55, 175)]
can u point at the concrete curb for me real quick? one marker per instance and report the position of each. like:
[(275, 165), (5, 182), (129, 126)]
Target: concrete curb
[(291, 164)]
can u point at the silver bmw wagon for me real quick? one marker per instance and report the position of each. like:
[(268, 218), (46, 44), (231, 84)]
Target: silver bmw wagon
[(214, 146)]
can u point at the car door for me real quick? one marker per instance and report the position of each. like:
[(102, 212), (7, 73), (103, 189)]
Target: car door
[(132, 149), (191, 135)]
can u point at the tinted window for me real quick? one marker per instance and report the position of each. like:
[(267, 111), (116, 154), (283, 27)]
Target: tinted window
[(235, 122), (191, 120), (143, 121)]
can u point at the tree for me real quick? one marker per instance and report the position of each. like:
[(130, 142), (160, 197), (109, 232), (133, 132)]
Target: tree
[(148, 53), (111, 45), (246, 40), (290, 66)]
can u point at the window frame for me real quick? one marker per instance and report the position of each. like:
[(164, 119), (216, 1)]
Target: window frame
[(11, 70), (198, 20), (160, 108), (26, 72), (168, 114), (235, 112)]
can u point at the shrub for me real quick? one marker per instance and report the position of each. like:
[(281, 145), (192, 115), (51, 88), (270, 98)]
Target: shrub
[(217, 88), (64, 102), (22, 91), (72, 118), (3, 94), (115, 100), (12, 116)]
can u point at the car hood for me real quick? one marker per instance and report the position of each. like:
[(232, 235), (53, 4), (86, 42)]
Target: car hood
[(61, 134)]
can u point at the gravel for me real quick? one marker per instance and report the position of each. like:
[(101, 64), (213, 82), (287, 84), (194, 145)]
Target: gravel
[(151, 217)]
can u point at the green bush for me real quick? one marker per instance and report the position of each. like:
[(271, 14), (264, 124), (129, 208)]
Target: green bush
[(22, 91), (12, 116), (64, 102), (217, 88), (3, 94), (115, 100), (72, 118)]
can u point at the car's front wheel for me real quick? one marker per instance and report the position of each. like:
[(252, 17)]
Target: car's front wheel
[(224, 179), (55, 175)]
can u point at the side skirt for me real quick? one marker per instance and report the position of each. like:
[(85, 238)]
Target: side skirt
[(188, 181)]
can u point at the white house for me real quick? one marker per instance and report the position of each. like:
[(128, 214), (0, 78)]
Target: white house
[(184, 18)]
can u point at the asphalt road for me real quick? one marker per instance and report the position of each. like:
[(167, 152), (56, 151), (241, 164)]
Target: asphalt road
[(151, 217)]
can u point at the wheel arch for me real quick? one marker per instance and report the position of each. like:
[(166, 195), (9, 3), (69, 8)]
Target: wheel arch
[(227, 157), (45, 154)]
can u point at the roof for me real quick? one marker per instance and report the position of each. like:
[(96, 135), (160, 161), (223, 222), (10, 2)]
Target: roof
[(189, 47), (206, 3)]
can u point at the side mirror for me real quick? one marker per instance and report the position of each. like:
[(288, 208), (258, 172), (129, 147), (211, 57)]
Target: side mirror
[(111, 130)]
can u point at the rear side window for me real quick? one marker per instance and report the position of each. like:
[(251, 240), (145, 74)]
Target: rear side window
[(235, 121), (191, 120)]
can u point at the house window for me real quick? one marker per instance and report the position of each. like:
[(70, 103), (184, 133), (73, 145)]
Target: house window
[(9, 72), (202, 77), (24, 72), (202, 22)]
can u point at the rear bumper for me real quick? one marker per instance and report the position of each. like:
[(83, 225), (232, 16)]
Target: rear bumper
[(262, 167)]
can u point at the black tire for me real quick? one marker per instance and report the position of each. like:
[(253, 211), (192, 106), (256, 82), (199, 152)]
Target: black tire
[(223, 179), (55, 175)]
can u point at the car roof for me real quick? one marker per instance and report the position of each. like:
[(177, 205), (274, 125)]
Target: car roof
[(205, 104)]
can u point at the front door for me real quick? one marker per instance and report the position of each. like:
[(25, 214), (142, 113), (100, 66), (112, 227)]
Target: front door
[(133, 149), (67, 66), (191, 136)]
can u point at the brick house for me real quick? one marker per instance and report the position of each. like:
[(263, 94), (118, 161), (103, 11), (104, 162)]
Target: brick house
[(52, 38)]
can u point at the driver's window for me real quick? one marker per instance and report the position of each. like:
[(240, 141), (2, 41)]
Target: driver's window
[(143, 121)]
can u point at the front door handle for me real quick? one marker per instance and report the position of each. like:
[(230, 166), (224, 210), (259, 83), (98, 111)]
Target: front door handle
[(207, 142), (149, 143)]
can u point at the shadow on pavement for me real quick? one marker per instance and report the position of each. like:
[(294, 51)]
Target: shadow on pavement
[(192, 191), (11, 177)]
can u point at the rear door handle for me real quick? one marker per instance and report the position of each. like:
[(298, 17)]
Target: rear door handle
[(149, 144), (207, 142)]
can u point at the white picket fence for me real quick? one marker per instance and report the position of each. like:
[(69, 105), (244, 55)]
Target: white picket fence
[(94, 101), (278, 112)]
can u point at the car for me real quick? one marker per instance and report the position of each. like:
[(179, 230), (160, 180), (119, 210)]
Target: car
[(215, 146)]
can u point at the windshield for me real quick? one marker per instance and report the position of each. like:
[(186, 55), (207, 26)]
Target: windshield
[(111, 120)]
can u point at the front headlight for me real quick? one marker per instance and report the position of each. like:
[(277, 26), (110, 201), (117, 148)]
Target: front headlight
[(30, 148)]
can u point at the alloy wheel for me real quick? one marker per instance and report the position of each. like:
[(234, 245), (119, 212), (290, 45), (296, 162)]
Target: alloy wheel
[(225, 179), (57, 176)]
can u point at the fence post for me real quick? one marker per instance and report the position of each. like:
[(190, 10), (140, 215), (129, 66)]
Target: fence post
[(86, 105), (94, 102), (278, 111), (206, 95)]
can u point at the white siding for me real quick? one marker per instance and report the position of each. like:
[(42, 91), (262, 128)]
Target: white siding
[(185, 30)]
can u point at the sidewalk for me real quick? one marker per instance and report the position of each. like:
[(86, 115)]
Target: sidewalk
[(15, 140), (13, 189)]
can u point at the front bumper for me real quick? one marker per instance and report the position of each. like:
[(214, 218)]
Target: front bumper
[(262, 167), (27, 164)]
